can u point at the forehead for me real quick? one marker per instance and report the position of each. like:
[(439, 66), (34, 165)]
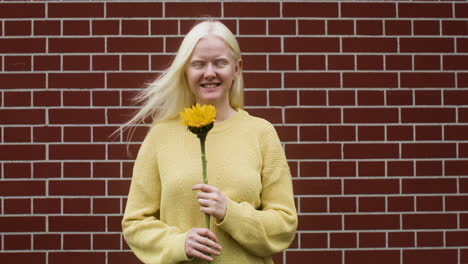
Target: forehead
[(211, 46)]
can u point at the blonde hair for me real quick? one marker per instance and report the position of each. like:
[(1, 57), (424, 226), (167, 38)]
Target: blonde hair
[(169, 94)]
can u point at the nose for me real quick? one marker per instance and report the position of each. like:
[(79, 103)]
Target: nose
[(209, 71)]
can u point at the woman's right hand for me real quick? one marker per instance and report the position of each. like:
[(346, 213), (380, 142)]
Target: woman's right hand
[(200, 242)]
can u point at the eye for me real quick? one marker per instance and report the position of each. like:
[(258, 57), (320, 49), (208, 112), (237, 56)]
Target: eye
[(197, 64), (221, 63)]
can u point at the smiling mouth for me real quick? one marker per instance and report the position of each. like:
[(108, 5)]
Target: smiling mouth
[(210, 85)]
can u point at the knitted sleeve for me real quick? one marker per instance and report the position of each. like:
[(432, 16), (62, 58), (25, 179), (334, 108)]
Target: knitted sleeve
[(150, 239), (271, 228)]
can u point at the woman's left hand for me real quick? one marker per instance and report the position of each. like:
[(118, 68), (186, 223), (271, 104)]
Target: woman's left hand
[(211, 200)]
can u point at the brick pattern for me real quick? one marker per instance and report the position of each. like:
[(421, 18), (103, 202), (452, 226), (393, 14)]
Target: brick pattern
[(369, 99)]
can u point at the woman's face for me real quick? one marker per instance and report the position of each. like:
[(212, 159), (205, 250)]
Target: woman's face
[(211, 71)]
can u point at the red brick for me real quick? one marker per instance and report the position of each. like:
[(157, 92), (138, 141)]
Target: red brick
[(369, 27), (281, 27), (23, 80), (22, 116), (371, 168), (79, 152), (17, 206), (114, 224), (17, 98), (342, 133), (311, 27), (116, 257), (76, 98), (416, 45), (103, 134), (463, 150), (397, 27), (76, 116), (76, 170), (311, 80), (105, 27), (46, 63), (122, 151), (313, 169), (400, 204), (377, 10), (118, 187), (17, 170), (312, 115), (75, 63), (427, 115), (314, 240), (428, 97), (429, 185), (135, 44), (17, 63), (77, 134), (251, 9), (287, 133), (319, 222), (428, 132), (76, 223), (454, 28), (135, 62), (370, 97), (313, 133), (313, 151), (311, 98), (22, 45), (341, 97), (17, 28), (340, 27), (426, 27), (76, 206), (256, 98), (282, 62), (47, 28), (135, 27), (342, 204), (340, 62), (59, 10), (342, 168), (76, 27), (47, 205), (400, 239), (398, 62), (161, 62), (369, 45), (263, 80), (429, 221), (371, 186), (313, 204), (429, 203), (76, 45), (311, 62), (343, 240), (47, 241), (399, 97), (263, 44), (311, 44), (283, 98), (373, 256), (106, 98), (329, 257), (30, 257), (462, 80), (106, 241), (76, 241), (192, 9), (458, 238), (455, 62), (371, 222), (47, 134), (369, 62), (106, 206), (428, 168), (428, 150), (187, 24), (314, 187), (370, 80), (22, 10), (453, 97), (13, 224), (22, 152), (106, 62), (305, 9), (456, 167), (134, 9), (425, 10), (129, 80), (76, 257), (370, 115), (373, 240), (461, 10), (17, 134)]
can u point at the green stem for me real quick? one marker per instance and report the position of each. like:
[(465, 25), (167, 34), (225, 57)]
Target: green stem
[(205, 177)]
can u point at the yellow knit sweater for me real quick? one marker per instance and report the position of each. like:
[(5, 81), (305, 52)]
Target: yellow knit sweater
[(245, 161)]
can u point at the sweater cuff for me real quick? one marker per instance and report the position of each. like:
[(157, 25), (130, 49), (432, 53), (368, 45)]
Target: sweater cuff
[(178, 244), (232, 216)]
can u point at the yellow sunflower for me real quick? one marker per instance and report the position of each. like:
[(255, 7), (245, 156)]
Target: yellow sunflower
[(198, 116)]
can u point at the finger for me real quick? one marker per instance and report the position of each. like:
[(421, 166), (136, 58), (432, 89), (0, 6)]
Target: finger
[(207, 246), (204, 187), (205, 232), (207, 195), (200, 255), (205, 202)]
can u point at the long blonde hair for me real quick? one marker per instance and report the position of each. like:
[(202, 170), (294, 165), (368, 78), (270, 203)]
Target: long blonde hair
[(169, 94)]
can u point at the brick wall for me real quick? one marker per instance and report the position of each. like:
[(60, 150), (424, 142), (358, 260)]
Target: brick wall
[(370, 100)]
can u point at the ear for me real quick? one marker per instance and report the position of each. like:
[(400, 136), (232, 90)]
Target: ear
[(237, 68)]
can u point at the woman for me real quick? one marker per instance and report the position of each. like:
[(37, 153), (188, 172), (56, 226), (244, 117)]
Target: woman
[(249, 195)]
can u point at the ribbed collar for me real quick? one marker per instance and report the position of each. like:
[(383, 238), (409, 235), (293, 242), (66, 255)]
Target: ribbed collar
[(230, 122)]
